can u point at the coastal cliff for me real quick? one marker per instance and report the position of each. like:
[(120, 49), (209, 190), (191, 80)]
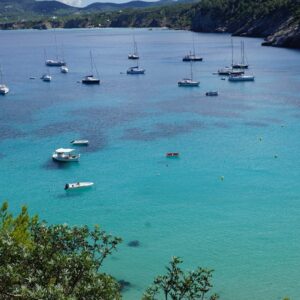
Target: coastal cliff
[(278, 21)]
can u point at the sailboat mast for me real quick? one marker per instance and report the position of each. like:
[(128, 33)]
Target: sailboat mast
[(194, 46), (231, 52), (91, 59), (243, 52), (55, 40), (191, 70), (1, 75)]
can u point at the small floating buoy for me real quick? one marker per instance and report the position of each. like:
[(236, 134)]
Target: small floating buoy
[(223, 78), (275, 156), (260, 138), (222, 178)]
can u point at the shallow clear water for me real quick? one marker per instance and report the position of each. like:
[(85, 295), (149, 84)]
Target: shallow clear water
[(246, 227)]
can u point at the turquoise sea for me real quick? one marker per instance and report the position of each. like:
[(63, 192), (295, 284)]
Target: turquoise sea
[(246, 227)]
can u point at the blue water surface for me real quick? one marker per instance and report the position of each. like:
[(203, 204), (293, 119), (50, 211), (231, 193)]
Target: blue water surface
[(230, 202)]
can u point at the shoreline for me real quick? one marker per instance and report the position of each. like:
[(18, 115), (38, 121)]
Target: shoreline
[(276, 40)]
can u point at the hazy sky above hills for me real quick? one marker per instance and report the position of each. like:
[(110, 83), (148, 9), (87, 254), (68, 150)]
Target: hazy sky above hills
[(81, 3)]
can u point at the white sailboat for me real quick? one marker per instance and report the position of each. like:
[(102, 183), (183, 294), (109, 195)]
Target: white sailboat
[(46, 77), (189, 82), (91, 79), (136, 70), (241, 77), (55, 62), (191, 56), (3, 88), (243, 64), (227, 71), (134, 54)]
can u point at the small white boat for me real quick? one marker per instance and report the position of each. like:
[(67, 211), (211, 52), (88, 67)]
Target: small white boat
[(135, 70), (3, 89), (133, 56), (46, 78), (64, 69), (188, 82), (192, 57), (90, 79), (55, 63), (212, 93), (80, 142), (242, 77), (78, 185), (65, 155)]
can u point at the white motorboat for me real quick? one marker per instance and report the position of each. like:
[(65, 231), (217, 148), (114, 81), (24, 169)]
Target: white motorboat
[(189, 82), (135, 70), (91, 79), (242, 77), (64, 69), (65, 155), (78, 185), (3, 89), (46, 78), (80, 142)]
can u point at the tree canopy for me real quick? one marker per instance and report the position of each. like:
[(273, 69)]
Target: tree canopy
[(41, 261)]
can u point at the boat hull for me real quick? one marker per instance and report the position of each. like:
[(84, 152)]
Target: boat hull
[(188, 84), (212, 94), (80, 142), (4, 91), (240, 66), (95, 81), (136, 72), (51, 63), (78, 185), (241, 78), (66, 158), (132, 56), (192, 59)]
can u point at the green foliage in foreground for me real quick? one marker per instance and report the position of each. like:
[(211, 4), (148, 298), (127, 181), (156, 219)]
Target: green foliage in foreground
[(59, 262), (41, 261), (178, 285)]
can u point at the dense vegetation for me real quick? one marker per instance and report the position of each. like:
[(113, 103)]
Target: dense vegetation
[(178, 285), (41, 261), (276, 20)]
